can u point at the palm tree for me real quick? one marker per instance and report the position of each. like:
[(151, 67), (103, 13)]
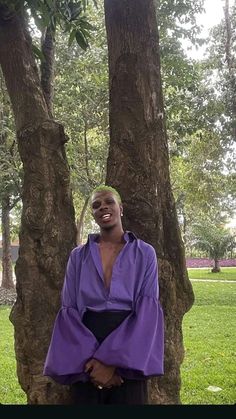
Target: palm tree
[(213, 238)]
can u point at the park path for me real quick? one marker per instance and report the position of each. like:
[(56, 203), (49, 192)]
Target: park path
[(212, 280)]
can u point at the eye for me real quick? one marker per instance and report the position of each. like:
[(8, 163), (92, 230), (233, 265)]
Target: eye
[(96, 204)]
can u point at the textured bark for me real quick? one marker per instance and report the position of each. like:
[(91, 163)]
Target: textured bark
[(138, 166), (7, 273), (216, 267), (47, 68), (80, 222), (48, 231)]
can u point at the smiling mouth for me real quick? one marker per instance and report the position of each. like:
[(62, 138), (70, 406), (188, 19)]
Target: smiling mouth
[(106, 217)]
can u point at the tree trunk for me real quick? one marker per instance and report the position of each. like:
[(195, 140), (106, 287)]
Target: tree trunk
[(48, 231), (7, 274), (216, 267), (138, 166), (47, 68), (81, 222)]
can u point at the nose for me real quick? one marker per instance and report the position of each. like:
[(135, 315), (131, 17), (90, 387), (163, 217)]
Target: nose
[(103, 206)]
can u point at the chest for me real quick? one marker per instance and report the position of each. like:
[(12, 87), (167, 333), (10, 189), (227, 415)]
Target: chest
[(109, 255)]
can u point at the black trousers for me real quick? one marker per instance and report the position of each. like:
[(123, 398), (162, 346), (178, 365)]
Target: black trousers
[(131, 392)]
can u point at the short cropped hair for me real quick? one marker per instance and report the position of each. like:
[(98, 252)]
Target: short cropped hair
[(106, 188)]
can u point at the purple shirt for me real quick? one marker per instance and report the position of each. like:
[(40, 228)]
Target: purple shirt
[(136, 346)]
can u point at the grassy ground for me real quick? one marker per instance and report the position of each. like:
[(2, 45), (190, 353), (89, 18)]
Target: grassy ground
[(209, 340), (10, 391), (205, 273)]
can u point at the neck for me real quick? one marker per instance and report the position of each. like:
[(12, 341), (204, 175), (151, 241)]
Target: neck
[(114, 236)]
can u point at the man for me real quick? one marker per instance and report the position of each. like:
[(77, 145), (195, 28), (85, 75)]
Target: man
[(108, 335)]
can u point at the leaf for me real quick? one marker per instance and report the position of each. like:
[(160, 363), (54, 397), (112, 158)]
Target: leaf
[(81, 40), (38, 53), (214, 389), (71, 37), (85, 24)]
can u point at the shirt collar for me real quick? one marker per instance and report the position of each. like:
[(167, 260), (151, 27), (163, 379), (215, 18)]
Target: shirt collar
[(129, 236)]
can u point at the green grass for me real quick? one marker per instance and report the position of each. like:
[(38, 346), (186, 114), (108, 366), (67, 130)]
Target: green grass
[(210, 345), (205, 273), (209, 341), (10, 390)]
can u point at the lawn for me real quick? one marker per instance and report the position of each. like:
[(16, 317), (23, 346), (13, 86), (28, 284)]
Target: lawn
[(209, 341), (205, 273), (10, 391)]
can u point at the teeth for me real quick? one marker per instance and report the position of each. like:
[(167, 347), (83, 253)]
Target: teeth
[(106, 216)]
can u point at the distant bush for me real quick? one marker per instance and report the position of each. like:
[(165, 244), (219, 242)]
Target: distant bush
[(205, 262)]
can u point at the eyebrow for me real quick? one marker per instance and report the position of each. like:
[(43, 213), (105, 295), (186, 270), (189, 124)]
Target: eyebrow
[(106, 199)]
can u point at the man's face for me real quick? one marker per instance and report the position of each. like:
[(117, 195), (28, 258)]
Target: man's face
[(106, 209)]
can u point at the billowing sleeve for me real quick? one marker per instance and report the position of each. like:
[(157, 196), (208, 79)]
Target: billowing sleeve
[(72, 344), (136, 347)]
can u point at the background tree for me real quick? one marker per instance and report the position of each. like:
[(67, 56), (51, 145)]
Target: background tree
[(195, 111), (10, 182), (201, 142), (138, 166), (213, 238), (81, 85), (47, 230)]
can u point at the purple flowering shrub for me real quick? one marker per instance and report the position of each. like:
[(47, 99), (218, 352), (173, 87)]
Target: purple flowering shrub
[(205, 262)]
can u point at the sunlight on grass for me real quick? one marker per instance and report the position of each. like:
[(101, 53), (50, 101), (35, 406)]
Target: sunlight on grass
[(10, 390), (209, 340), (205, 273)]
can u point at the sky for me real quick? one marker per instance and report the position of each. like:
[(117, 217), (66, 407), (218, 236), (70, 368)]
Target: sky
[(213, 15)]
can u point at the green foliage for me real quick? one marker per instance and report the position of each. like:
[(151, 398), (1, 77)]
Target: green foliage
[(81, 86), (69, 16), (222, 61), (11, 170), (213, 238), (178, 18), (203, 161), (66, 14)]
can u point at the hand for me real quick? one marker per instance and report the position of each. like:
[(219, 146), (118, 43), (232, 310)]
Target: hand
[(99, 373), (116, 380)]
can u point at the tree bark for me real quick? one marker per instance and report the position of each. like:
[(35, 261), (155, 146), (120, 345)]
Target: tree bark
[(216, 267), (48, 231), (138, 166), (47, 68), (80, 222), (7, 272)]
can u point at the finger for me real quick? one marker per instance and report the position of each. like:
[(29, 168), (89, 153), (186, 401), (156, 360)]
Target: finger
[(89, 365), (88, 369)]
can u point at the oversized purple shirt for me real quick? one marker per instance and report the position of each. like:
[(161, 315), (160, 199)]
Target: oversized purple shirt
[(136, 346)]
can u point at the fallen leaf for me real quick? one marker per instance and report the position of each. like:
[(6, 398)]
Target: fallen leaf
[(214, 388)]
